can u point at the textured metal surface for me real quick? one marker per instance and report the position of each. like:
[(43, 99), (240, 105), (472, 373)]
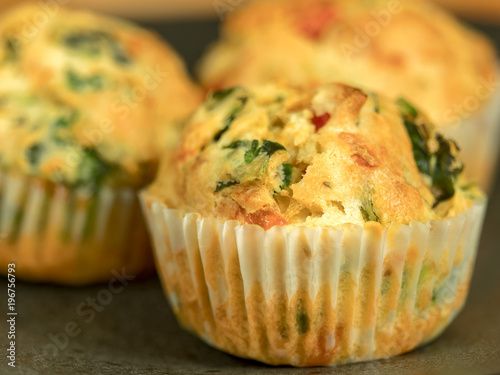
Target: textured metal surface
[(132, 330)]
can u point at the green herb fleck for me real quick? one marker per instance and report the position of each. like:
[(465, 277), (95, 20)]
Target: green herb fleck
[(252, 153), (92, 43), (238, 144), (119, 53), (441, 166), (65, 121), (368, 212), (327, 184), (419, 136), (255, 160), (446, 171), (92, 169), (80, 84), (219, 96), (302, 320), (253, 149), (287, 175), (219, 134), (406, 109), (271, 147), (232, 116), (88, 42), (434, 298), (34, 154), (223, 185)]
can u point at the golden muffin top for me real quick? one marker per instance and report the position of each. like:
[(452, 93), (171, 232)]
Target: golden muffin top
[(410, 48), (326, 156), (126, 93)]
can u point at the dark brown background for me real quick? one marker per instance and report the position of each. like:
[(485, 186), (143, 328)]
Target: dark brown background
[(137, 333)]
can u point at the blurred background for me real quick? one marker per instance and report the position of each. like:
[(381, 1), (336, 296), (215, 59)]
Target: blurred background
[(154, 10), (191, 25)]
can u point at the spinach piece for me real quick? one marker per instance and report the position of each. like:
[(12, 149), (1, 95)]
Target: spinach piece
[(406, 109), (92, 169), (287, 175), (62, 122), (223, 185), (118, 52), (238, 144), (446, 171), (34, 154), (252, 153), (219, 96), (232, 116), (271, 147), (88, 42), (219, 134), (251, 146), (253, 149), (368, 212), (65, 121), (441, 166), (79, 84), (419, 137), (92, 43)]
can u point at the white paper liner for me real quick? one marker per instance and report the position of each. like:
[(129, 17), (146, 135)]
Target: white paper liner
[(56, 234), (479, 139), (308, 296)]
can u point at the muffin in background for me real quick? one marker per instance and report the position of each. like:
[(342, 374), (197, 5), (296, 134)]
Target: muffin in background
[(87, 105), (125, 74), (312, 227), (413, 50)]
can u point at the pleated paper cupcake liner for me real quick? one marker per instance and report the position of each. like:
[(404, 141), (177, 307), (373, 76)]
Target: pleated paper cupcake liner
[(478, 137), (313, 296), (60, 235)]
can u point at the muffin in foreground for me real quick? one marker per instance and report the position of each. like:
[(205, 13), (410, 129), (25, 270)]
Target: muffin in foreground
[(410, 49), (81, 131), (313, 227)]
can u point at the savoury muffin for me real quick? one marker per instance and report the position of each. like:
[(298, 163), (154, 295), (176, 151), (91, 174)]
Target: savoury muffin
[(313, 227), (413, 50), (124, 73), (81, 130)]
